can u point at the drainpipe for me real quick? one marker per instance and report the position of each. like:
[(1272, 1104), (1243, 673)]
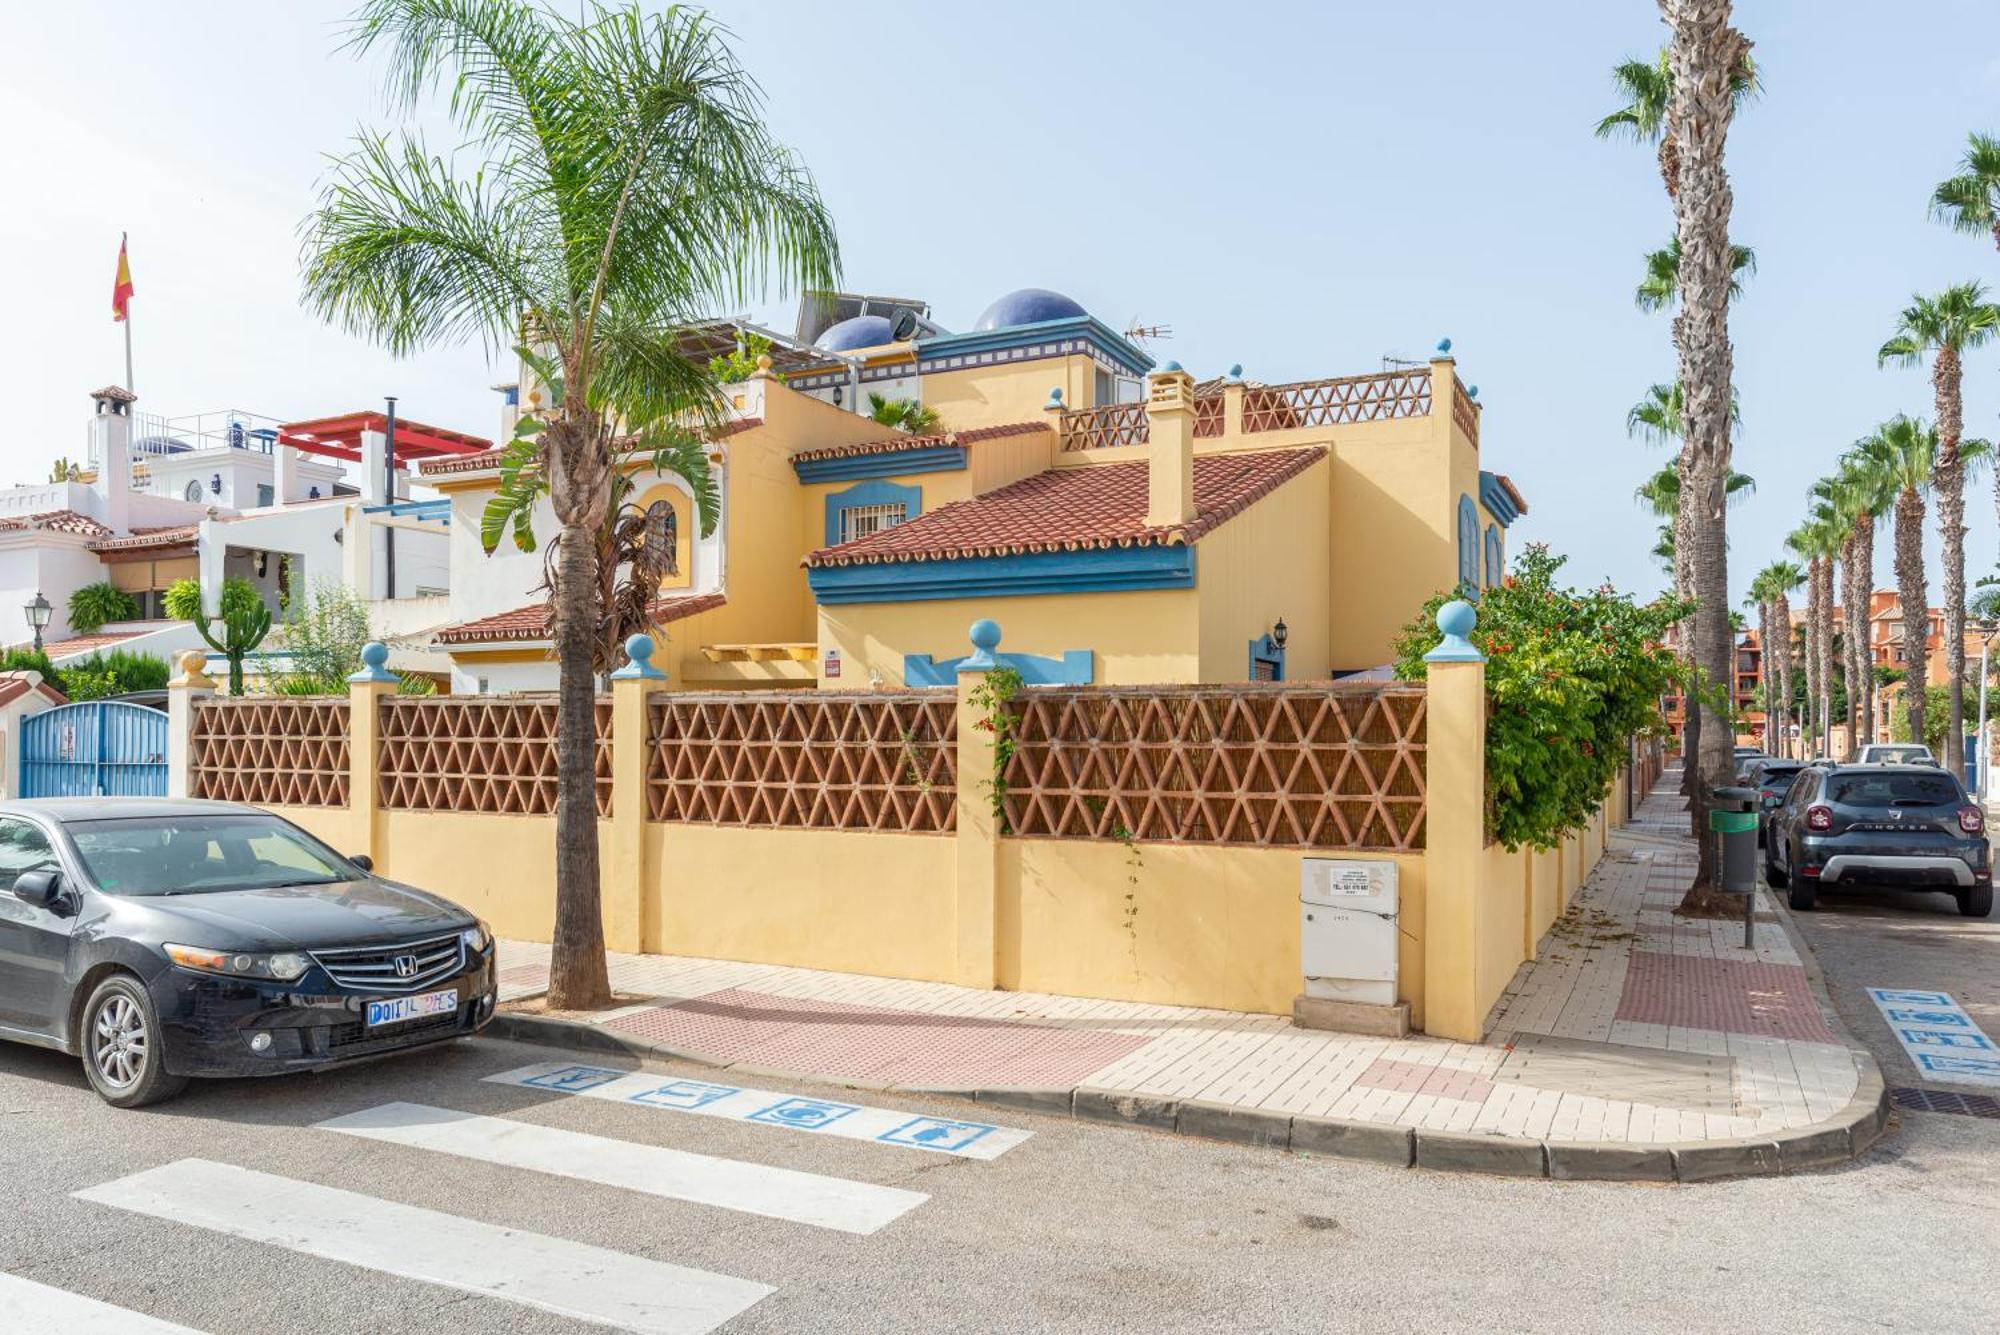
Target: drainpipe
[(389, 492)]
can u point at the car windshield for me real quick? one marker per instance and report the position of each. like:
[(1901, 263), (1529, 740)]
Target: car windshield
[(1916, 788), (1899, 755), (198, 854)]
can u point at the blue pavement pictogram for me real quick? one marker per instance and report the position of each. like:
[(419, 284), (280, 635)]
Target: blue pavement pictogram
[(685, 1094), (1896, 998), (1931, 1038), (1942, 1063), (811, 1114), (936, 1133), (1932, 1019), (571, 1079)]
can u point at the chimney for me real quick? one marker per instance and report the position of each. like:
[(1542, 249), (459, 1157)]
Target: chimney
[(1169, 447), (374, 449), (111, 446), (284, 474)]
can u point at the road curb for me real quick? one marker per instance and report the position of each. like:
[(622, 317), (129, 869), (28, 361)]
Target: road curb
[(1840, 1139)]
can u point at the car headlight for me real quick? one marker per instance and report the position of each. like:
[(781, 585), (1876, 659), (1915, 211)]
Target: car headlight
[(284, 967), (477, 937)]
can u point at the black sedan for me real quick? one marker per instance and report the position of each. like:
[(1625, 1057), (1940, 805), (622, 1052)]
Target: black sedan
[(159, 940), (1897, 826)]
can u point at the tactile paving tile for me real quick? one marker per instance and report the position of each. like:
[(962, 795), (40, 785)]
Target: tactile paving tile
[(876, 1043), (1730, 996)]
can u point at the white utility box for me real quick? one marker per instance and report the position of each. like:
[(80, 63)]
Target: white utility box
[(1347, 930)]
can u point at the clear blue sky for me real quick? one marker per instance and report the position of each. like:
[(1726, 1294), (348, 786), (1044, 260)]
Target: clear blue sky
[(1301, 187)]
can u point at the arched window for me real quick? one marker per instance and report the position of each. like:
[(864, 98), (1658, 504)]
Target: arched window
[(1468, 543), (1496, 565)]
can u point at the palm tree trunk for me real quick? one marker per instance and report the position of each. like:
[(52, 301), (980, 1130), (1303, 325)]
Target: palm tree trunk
[(1704, 52), (1809, 717), (1850, 657), (1948, 486), (1684, 630), (1864, 558), (1781, 615), (1826, 605), (1916, 611), (1766, 676)]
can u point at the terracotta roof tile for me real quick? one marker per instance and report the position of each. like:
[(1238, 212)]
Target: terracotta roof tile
[(14, 685), (116, 393), (59, 521), (1066, 509), (485, 459), (139, 539), (79, 645), (899, 444), (532, 622)]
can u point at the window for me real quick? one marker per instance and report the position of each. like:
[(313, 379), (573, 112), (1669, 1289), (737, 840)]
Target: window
[(192, 491), (1914, 788), (1468, 545), (23, 847), (1496, 564), (266, 494), (191, 854), (858, 521)]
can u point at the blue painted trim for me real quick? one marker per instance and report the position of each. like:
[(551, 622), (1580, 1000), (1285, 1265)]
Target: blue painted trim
[(1264, 649), (438, 509), (1456, 620), (1496, 564), (1100, 335), (1468, 544), (870, 493), (1496, 500), (889, 463), (1076, 667), (1097, 570)]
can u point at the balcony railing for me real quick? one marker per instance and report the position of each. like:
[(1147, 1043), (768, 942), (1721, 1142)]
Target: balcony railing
[(1308, 403)]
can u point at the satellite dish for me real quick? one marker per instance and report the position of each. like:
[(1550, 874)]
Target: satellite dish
[(903, 325)]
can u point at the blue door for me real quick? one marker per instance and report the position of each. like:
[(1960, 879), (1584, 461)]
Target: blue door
[(99, 748)]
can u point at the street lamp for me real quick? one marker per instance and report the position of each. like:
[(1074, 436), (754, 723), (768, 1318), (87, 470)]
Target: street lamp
[(38, 617)]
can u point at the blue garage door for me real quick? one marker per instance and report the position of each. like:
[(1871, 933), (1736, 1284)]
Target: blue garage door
[(100, 748)]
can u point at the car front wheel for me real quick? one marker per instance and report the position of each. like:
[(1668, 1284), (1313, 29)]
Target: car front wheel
[(120, 1043)]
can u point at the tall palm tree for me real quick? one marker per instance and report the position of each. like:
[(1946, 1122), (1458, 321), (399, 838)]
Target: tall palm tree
[(1906, 450), (626, 186), (1970, 201), (1648, 89), (1805, 541), (1710, 64), (1945, 327), (1866, 495), (1659, 289), (1759, 601), (1657, 419), (1777, 580)]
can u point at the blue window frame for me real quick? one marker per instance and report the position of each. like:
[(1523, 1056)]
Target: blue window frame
[(873, 497), (1267, 659), (1496, 565), (1468, 543)]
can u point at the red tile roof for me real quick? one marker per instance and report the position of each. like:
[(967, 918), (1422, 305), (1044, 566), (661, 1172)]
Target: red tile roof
[(79, 645), (531, 623), (59, 521), (14, 685), (142, 538), (485, 459), (898, 444), (116, 393), (1067, 509)]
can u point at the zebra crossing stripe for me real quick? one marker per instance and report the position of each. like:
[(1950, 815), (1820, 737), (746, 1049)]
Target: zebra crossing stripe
[(568, 1278), (26, 1305), (826, 1117), (776, 1193)]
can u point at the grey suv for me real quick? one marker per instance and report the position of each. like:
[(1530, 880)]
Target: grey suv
[(1903, 826)]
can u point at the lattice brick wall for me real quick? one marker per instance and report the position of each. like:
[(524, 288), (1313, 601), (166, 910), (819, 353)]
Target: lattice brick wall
[(1105, 428), (492, 754), (1359, 398), (814, 760), (288, 751), (1463, 413), (1319, 766)]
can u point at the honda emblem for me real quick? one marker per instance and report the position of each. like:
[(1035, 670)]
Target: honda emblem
[(406, 966)]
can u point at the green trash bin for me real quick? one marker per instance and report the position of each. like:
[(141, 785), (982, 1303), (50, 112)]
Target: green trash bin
[(1732, 818)]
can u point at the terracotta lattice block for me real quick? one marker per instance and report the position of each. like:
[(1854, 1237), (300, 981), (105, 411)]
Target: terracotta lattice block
[(1105, 428), (815, 760), (1462, 413), (492, 754), (1289, 766), (1360, 398), (288, 751)]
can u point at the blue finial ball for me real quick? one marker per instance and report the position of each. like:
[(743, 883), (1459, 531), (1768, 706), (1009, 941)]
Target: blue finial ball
[(1472, 391), (1055, 394), (1171, 368), (985, 635), (639, 648), (1236, 370), (374, 654), (1444, 345), (1457, 617)]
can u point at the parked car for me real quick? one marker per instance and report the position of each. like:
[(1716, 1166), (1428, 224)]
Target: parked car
[(1772, 778), (158, 940), (1895, 753), (1747, 759), (1902, 826)]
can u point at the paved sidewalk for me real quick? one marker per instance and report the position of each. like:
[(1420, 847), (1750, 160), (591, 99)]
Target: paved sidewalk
[(1637, 1045)]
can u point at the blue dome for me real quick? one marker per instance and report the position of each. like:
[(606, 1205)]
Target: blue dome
[(1028, 305), (863, 331)]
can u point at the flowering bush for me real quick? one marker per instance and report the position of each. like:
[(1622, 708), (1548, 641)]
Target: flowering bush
[(1570, 677)]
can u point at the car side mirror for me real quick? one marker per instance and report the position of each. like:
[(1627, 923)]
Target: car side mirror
[(43, 889), (363, 861)]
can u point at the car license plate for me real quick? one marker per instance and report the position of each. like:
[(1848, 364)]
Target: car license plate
[(398, 1009)]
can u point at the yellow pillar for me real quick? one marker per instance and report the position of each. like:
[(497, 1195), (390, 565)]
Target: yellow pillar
[(365, 690), (975, 958), (1455, 828), (626, 876), (1170, 447), (194, 684), (1232, 401)]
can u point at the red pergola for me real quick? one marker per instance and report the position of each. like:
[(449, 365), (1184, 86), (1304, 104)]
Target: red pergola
[(340, 438)]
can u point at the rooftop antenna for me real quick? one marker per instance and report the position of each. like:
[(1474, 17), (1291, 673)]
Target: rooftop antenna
[(1391, 362), (1146, 333)]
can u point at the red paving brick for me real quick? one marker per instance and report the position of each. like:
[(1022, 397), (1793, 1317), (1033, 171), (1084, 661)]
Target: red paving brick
[(1733, 996), (1446, 1082), (875, 1043)]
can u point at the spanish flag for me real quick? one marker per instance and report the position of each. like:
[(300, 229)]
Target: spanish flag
[(121, 287)]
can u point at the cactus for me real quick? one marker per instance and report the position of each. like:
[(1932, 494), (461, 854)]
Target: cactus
[(245, 623)]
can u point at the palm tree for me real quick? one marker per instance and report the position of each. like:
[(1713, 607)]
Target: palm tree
[(1970, 201), (1711, 71), (1803, 542), (1659, 289), (626, 187), (1906, 450), (1820, 540), (1944, 327), (1648, 88), (905, 415), (1864, 494), (1774, 585)]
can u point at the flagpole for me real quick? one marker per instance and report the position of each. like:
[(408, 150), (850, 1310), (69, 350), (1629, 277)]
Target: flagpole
[(127, 322)]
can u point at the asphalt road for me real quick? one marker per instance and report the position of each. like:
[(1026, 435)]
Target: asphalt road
[(1077, 1228)]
